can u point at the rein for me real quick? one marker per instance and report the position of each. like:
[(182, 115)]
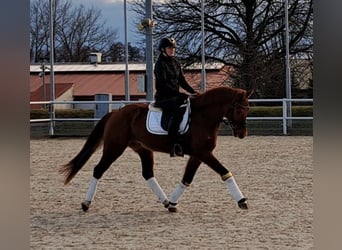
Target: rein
[(240, 105), (229, 122)]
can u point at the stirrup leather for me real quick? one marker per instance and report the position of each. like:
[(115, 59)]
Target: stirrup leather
[(176, 150)]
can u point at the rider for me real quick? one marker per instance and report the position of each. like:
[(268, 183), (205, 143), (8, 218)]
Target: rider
[(168, 78)]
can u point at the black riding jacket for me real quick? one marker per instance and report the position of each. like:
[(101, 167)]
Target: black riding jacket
[(168, 78)]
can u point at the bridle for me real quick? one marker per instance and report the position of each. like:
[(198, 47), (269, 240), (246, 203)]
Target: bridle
[(230, 122)]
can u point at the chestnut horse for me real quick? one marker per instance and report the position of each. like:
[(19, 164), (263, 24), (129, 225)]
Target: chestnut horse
[(126, 127)]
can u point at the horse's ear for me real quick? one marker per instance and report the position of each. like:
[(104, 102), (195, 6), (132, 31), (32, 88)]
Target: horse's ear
[(250, 93)]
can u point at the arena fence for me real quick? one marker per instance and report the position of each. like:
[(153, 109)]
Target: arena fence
[(257, 125)]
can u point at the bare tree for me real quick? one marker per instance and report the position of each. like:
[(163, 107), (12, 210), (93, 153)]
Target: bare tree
[(78, 31), (245, 34), (39, 30), (116, 53)]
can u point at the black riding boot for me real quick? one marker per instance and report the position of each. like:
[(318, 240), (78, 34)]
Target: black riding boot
[(175, 147)]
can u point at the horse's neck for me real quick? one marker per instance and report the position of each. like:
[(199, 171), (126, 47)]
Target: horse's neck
[(211, 112)]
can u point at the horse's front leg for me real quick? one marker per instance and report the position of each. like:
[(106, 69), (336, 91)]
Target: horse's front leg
[(190, 170), (147, 162), (227, 177)]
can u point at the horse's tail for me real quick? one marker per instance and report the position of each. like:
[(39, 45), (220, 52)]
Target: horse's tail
[(93, 142)]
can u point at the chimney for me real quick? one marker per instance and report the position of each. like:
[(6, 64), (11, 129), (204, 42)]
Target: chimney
[(95, 58)]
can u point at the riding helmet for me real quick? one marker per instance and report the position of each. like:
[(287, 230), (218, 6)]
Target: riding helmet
[(167, 42)]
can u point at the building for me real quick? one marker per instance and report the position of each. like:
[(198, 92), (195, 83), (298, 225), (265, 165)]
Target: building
[(81, 82)]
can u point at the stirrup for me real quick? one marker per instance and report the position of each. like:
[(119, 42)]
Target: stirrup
[(176, 150)]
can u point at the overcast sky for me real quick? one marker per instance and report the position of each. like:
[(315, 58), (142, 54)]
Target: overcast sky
[(113, 13)]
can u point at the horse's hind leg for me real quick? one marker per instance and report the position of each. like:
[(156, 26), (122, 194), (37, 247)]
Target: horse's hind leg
[(108, 157), (190, 171), (146, 157)]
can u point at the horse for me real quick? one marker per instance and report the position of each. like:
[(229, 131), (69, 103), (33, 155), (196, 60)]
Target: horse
[(126, 127)]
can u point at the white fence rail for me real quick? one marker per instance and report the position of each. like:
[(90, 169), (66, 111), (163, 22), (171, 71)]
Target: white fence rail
[(286, 120)]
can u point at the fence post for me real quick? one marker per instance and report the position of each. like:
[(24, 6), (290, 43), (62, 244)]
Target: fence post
[(284, 117)]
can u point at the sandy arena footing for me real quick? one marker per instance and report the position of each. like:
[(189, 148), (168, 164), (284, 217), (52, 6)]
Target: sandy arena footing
[(274, 172)]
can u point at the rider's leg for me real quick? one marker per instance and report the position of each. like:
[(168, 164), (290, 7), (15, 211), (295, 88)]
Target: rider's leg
[(173, 134)]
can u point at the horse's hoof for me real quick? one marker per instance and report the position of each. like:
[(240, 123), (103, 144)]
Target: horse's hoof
[(243, 204), (85, 205), (166, 203), (172, 209)]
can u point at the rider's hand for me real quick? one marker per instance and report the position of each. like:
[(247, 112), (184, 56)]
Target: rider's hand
[(195, 94)]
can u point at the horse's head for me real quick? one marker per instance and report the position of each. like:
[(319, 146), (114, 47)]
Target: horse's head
[(237, 113)]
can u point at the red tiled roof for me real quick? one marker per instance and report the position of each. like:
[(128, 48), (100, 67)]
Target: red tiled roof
[(91, 83), (114, 83), (38, 93), (214, 78)]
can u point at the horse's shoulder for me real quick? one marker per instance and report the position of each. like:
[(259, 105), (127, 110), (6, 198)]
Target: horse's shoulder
[(132, 109), (135, 106)]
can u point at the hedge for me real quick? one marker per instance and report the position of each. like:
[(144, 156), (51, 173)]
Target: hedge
[(258, 111), (255, 127)]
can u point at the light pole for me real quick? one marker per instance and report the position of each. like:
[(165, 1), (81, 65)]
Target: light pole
[(287, 65), (203, 75), (127, 89), (52, 75), (43, 67), (148, 24)]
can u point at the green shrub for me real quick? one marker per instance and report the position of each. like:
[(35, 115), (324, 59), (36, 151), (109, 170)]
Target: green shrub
[(62, 113), (277, 111), (256, 111), (255, 127)]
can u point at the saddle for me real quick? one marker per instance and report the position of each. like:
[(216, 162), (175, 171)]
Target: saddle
[(157, 121)]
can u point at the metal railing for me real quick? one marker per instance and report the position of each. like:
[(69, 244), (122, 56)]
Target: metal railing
[(286, 120)]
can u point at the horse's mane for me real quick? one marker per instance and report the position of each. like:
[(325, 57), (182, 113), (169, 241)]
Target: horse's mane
[(217, 96)]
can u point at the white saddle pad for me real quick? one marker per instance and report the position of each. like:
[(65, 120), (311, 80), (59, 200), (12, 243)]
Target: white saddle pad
[(153, 120)]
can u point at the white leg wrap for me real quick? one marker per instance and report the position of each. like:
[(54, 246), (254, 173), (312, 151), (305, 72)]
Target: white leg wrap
[(233, 188), (92, 189), (154, 185), (174, 196)]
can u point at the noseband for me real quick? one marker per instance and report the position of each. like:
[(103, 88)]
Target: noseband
[(230, 122)]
